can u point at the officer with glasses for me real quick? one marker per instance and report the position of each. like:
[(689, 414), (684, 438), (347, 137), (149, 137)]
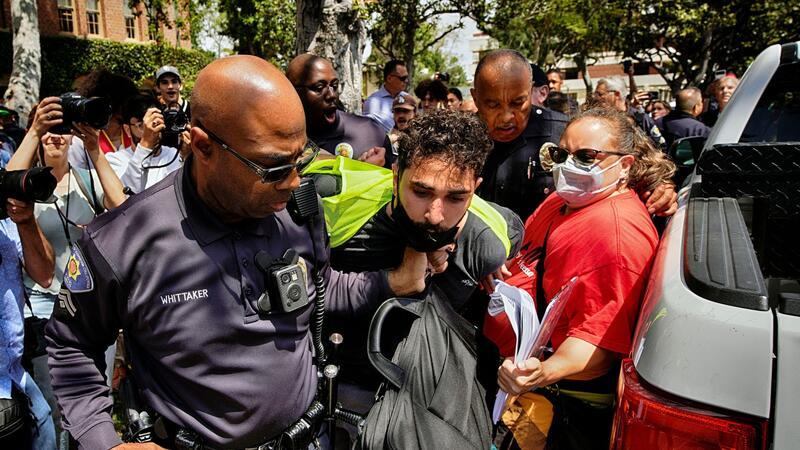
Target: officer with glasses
[(222, 357), (337, 132)]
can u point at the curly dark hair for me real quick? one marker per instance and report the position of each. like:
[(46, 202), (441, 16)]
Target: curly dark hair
[(456, 137)]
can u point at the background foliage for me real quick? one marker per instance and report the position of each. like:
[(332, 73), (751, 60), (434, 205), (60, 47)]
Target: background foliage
[(66, 58)]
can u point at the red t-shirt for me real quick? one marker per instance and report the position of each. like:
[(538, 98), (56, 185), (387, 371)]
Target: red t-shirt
[(609, 245)]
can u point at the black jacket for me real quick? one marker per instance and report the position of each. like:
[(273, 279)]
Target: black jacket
[(678, 124), (513, 176)]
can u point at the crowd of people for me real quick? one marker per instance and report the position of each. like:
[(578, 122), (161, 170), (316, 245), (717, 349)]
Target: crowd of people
[(156, 252)]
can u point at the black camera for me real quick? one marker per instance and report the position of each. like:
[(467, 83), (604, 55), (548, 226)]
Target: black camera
[(285, 283), (26, 185), (94, 111), (175, 122)]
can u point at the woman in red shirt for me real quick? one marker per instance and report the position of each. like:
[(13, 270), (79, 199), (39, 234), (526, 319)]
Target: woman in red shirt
[(597, 229)]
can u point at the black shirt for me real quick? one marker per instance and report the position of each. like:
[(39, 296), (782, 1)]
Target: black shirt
[(358, 132), (513, 175), (379, 245), (678, 124)]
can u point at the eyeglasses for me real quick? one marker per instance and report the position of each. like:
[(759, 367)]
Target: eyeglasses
[(583, 156), (319, 88), (404, 78), (269, 174)]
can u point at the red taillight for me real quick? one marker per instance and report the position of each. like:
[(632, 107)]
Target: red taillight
[(647, 420)]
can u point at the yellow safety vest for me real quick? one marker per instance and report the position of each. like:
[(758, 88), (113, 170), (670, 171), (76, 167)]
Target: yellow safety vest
[(366, 189)]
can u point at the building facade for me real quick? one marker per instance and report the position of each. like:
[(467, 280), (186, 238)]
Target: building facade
[(115, 20)]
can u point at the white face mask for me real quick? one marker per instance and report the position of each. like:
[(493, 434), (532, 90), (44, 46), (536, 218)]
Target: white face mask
[(580, 187)]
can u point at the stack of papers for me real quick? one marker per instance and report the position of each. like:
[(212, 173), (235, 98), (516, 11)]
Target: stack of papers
[(532, 336)]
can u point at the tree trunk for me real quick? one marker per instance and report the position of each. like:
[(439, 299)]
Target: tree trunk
[(333, 30), (701, 71), (26, 70), (580, 61), (409, 37)]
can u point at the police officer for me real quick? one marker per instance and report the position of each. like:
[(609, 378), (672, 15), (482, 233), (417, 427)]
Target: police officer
[(185, 287), (682, 121), (517, 172), (338, 132), (513, 175)]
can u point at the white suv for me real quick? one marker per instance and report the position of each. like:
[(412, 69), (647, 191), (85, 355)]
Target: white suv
[(716, 356)]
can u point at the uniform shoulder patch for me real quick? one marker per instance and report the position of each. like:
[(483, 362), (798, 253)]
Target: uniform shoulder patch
[(77, 276)]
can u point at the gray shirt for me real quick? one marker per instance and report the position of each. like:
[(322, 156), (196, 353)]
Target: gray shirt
[(182, 285), (379, 245)]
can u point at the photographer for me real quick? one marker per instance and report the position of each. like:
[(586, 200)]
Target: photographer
[(155, 154), (22, 244), (117, 89), (80, 195), (169, 86)]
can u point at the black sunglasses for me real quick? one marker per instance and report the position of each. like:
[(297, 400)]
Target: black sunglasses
[(269, 174), (583, 156), (403, 78)]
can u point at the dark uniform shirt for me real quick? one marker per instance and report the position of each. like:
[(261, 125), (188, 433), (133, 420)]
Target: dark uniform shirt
[(678, 124), (648, 125), (183, 287), (356, 134), (513, 175)]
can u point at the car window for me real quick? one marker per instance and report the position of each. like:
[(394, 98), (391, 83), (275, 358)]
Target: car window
[(776, 117)]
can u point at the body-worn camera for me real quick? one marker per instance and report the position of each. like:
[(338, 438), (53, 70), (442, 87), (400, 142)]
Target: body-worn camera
[(285, 283), (26, 185), (175, 122), (94, 111)]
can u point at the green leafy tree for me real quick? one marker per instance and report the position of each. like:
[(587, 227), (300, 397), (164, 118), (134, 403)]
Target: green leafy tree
[(264, 28), (405, 29), (427, 61), (687, 40), (545, 31), (158, 15)]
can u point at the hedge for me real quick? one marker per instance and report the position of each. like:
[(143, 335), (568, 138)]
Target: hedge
[(66, 58)]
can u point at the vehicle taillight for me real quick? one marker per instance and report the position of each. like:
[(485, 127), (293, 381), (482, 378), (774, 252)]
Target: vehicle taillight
[(648, 420)]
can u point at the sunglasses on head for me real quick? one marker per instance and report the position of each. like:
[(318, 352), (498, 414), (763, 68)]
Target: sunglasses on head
[(582, 156)]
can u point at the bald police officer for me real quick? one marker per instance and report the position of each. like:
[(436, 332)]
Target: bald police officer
[(514, 176), (185, 286)]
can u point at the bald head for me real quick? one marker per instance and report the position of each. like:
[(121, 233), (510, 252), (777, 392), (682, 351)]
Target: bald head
[(688, 100), (502, 93), (301, 67), (497, 62), (240, 90)]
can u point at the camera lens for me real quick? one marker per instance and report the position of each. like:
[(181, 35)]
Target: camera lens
[(294, 292), (285, 278)]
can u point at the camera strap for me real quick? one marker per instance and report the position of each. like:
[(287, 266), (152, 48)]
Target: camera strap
[(88, 192), (147, 167)]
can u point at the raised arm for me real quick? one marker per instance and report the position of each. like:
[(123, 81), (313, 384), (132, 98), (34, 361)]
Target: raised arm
[(112, 186), (37, 254), (48, 114)]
